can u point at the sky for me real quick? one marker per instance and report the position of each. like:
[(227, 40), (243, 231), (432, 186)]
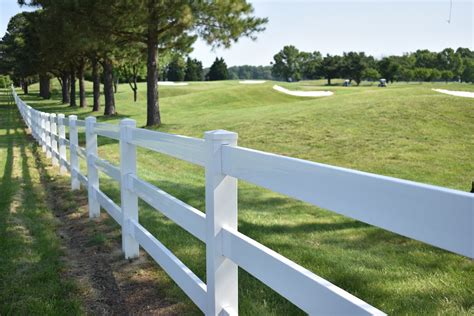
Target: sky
[(378, 27)]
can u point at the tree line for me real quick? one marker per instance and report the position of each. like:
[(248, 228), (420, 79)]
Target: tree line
[(290, 64), (107, 40)]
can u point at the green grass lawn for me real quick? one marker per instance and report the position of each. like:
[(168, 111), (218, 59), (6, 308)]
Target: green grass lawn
[(31, 281), (404, 130)]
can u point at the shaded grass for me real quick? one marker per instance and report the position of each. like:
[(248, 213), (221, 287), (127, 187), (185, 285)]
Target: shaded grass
[(405, 130), (31, 280)]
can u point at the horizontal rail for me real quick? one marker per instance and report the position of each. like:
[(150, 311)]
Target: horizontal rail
[(82, 178), (107, 168), (81, 152), (107, 130), (65, 163), (63, 141), (185, 148), (311, 293), (437, 216), (80, 123), (109, 205), (186, 216), (177, 270)]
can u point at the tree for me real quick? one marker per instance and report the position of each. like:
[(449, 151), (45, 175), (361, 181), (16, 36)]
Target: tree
[(371, 74), (19, 50), (422, 74), (447, 75), (310, 64), (435, 75), (468, 73), (194, 70), (131, 68), (353, 66), (176, 69), (287, 64), (389, 68), (330, 67), (218, 70), (174, 25)]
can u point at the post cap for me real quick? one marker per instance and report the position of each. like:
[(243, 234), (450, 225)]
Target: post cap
[(220, 134), (128, 122), (91, 119), (73, 117)]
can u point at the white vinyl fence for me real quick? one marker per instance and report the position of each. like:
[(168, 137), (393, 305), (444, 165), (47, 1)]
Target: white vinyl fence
[(434, 215)]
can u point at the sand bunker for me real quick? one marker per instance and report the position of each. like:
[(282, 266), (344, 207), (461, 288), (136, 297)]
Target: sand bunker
[(464, 94), (252, 81), (171, 83), (303, 93)]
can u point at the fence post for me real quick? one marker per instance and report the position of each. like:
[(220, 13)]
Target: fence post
[(54, 140), (73, 144), (43, 131), (129, 199), (62, 145), (48, 135), (221, 210), (92, 172)]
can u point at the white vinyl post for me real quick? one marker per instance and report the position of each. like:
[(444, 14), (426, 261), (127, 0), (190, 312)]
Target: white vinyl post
[(129, 199), (73, 144), (48, 135), (62, 144), (54, 140), (92, 172), (221, 210), (43, 131)]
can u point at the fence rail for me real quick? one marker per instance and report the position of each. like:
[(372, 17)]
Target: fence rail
[(434, 215)]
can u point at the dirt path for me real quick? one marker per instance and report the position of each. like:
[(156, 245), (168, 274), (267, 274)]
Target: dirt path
[(109, 284)]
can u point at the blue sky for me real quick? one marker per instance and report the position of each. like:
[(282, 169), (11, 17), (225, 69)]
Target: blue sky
[(377, 27)]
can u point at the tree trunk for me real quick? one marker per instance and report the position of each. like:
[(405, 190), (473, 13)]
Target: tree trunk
[(108, 88), (45, 86), (65, 88), (82, 89), (153, 107), (72, 101), (95, 85), (25, 86), (329, 81)]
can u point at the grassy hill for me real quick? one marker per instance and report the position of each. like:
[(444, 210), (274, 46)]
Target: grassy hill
[(404, 130)]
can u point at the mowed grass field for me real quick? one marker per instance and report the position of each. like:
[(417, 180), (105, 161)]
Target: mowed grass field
[(405, 130)]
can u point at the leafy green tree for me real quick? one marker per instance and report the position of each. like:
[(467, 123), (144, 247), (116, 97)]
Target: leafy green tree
[(194, 70), (176, 69), (354, 65), (447, 75), (422, 74), (435, 75), (468, 73), (371, 74), (407, 74), (169, 25), (330, 67), (19, 50), (310, 64), (131, 68), (389, 68), (287, 64), (218, 70)]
